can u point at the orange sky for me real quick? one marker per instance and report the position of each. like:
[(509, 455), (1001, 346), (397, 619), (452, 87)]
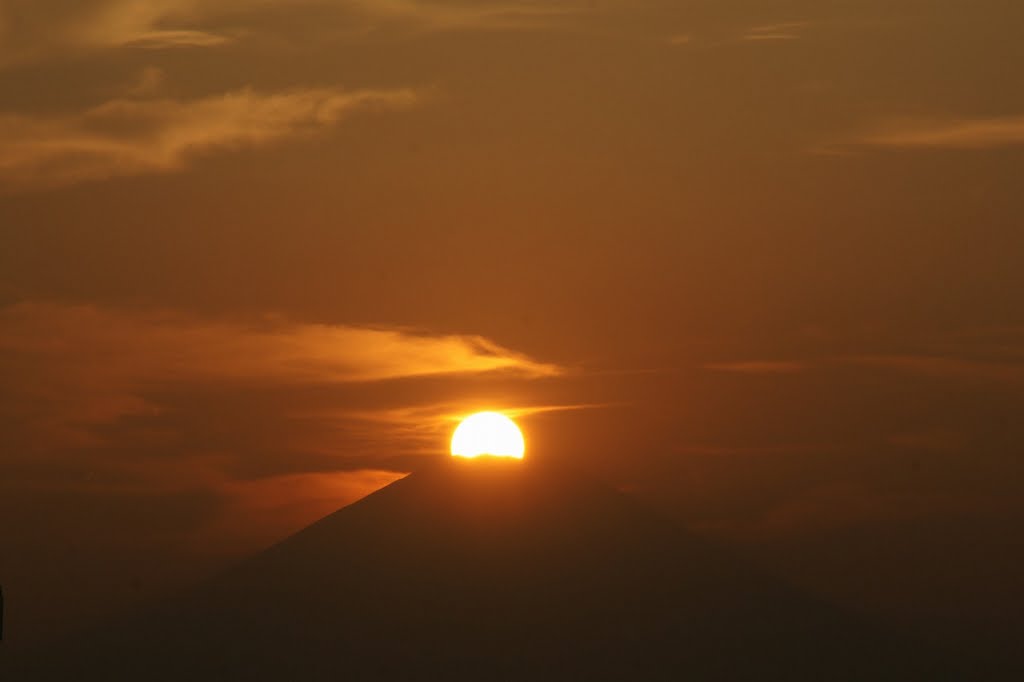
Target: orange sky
[(759, 262)]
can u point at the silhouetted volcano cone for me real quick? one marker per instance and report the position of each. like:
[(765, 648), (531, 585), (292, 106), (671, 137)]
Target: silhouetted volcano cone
[(485, 571)]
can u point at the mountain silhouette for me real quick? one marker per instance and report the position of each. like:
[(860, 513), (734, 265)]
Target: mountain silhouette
[(489, 570)]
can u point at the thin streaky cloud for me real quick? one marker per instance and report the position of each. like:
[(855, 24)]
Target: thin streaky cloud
[(155, 40), (788, 30), (437, 16), (131, 137), (153, 24), (962, 133), (177, 346), (73, 368), (47, 27), (428, 416)]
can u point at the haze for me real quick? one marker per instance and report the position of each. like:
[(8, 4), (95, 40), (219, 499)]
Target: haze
[(758, 263)]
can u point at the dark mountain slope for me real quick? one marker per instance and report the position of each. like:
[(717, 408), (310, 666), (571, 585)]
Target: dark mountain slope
[(490, 570)]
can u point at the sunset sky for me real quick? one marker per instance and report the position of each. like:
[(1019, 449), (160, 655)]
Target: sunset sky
[(759, 263)]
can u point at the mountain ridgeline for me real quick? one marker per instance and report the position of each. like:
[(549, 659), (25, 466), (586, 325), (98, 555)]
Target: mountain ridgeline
[(490, 570)]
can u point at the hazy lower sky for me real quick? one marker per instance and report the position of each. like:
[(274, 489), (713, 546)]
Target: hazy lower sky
[(760, 262)]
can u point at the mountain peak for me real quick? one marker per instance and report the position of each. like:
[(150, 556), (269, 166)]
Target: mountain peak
[(493, 570)]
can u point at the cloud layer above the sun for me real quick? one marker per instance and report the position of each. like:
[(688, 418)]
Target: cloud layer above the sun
[(251, 426), (91, 365)]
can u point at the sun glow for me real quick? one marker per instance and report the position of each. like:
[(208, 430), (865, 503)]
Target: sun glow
[(488, 433)]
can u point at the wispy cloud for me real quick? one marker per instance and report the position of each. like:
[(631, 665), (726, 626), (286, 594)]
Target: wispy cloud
[(783, 31), (42, 27), (414, 429), (72, 367), (765, 33), (464, 15), (267, 417), (115, 23), (129, 349), (131, 137), (961, 133), (181, 38)]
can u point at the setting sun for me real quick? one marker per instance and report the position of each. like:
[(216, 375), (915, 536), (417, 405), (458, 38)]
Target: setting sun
[(488, 433)]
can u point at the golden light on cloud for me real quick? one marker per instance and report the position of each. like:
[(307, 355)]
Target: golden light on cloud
[(490, 434), (136, 136), (89, 366)]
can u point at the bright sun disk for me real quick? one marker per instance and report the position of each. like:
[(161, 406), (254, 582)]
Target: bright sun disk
[(488, 433)]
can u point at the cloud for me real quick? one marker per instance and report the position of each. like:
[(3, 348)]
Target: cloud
[(108, 357), (784, 31), (466, 15), (248, 428), (419, 427), (114, 23), (71, 369), (963, 133), (39, 28), (155, 40), (766, 33), (113, 401), (131, 137)]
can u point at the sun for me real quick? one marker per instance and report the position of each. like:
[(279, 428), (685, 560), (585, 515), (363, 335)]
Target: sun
[(488, 433)]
